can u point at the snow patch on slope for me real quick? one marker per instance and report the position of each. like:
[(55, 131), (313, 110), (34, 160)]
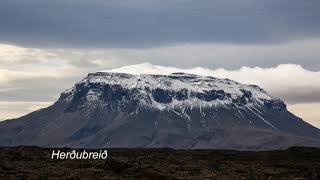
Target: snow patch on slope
[(176, 82)]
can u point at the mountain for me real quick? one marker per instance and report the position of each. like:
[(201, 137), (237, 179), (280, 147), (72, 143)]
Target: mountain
[(178, 110)]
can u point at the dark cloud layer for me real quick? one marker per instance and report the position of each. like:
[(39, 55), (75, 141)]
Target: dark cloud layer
[(142, 23)]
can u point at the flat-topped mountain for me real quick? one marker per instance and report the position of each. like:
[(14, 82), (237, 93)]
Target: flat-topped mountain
[(178, 110)]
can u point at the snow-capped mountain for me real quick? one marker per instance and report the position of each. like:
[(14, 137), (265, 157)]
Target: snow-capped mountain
[(179, 110), (177, 92)]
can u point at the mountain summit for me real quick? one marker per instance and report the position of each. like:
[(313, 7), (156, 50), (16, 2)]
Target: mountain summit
[(178, 110)]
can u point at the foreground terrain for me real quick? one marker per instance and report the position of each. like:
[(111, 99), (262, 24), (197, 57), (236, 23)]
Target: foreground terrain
[(36, 163)]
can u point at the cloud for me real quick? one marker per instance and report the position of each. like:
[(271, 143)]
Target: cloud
[(307, 111), (141, 23), (40, 75), (16, 109), (32, 74), (10, 54), (291, 82), (40, 89), (214, 55), (230, 56)]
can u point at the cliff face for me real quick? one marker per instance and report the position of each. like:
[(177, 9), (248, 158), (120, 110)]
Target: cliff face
[(178, 110)]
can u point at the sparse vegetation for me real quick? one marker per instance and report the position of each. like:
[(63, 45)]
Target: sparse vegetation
[(35, 163)]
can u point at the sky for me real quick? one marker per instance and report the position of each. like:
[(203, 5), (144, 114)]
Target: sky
[(47, 46)]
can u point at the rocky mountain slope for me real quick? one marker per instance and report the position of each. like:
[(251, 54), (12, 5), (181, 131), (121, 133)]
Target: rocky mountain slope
[(179, 110)]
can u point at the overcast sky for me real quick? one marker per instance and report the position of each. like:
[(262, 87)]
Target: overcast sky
[(46, 46)]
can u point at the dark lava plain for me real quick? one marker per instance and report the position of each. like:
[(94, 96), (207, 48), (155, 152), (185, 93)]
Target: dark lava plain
[(35, 163)]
